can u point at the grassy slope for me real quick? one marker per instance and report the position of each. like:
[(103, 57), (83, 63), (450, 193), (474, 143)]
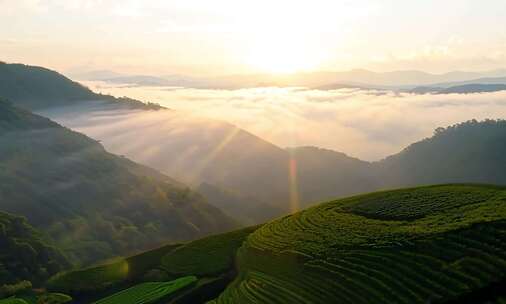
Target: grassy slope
[(405, 246), (209, 256), (109, 274), (147, 293), (13, 301)]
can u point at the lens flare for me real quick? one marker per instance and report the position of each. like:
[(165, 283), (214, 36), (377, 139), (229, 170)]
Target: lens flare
[(215, 152), (293, 184)]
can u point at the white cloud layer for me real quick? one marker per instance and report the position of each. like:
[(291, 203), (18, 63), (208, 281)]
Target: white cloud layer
[(366, 124), (217, 37)]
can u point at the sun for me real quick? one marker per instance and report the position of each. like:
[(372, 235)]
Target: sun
[(281, 54)]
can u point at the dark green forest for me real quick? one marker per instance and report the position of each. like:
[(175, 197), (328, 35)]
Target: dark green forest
[(468, 152), (472, 151), (24, 254)]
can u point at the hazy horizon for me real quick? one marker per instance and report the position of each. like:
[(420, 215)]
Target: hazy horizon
[(366, 124)]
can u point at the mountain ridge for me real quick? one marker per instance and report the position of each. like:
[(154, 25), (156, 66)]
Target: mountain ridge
[(35, 88), (317, 79)]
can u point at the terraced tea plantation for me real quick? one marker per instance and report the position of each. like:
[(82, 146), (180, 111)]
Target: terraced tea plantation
[(31, 297), (147, 293), (13, 301), (103, 276), (209, 256), (90, 279), (422, 245)]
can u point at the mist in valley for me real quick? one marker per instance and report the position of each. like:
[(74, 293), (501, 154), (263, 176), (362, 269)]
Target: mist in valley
[(366, 124)]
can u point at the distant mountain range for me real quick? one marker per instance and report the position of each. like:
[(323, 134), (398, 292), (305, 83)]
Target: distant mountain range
[(321, 80), (486, 80), (464, 88)]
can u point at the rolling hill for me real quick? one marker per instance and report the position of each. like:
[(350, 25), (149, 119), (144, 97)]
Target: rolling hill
[(438, 244), (467, 152), (121, 271), (461, 89), (91, 203), (432, 244), (210, 258)]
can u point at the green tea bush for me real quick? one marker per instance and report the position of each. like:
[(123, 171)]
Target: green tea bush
[(147, 293), (376, 249)]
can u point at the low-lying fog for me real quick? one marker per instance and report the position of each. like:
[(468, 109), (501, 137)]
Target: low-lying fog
[(366, 124)]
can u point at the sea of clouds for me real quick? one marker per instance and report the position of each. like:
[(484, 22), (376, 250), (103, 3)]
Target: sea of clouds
[(362, 123)]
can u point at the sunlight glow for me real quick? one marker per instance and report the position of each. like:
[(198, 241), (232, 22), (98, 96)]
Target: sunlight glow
[(282, 53)]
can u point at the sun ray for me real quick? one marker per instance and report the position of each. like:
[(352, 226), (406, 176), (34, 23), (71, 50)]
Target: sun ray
[(293, 184), (214, 153)]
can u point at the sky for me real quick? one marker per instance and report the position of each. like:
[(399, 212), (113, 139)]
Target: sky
[(164, 37)]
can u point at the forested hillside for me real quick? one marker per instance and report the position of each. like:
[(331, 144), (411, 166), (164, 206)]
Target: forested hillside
[(91, 203), (467, 152), (35, 88), (24, 255)]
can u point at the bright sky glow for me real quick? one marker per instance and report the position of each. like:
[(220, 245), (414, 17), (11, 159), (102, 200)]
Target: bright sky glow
[(225, 36)]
